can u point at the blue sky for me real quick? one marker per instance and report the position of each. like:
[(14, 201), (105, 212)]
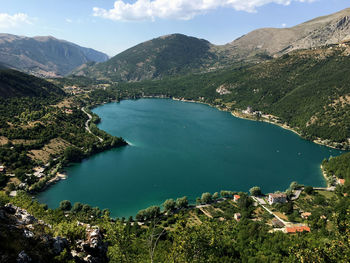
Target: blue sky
[(112, 26)]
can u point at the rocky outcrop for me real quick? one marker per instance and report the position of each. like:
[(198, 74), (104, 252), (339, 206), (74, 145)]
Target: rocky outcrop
[(331, 29), (92, 249), (23, 217), (23, 257)]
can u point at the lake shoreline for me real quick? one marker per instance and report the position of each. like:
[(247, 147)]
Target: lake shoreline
[(239, 114), (236, 113)]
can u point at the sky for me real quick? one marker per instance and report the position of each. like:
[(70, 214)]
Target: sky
[(112, 26)]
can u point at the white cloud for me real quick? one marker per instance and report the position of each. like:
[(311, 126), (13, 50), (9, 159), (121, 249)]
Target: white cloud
[(8, 21), (284, 25), (178, 9), (68, 20)]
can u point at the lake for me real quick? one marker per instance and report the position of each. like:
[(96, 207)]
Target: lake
[(184, 149)]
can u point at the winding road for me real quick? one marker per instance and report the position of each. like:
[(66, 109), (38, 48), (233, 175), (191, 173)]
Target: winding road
[(87, 124)]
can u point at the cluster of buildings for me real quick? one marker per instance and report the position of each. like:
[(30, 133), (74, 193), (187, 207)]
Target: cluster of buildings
[(39, 172)]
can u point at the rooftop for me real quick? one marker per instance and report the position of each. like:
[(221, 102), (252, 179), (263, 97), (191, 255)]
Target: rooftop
[(295, 229)]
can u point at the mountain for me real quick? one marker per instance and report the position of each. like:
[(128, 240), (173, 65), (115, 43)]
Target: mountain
[(306, 89), (179, 54), (45, 56), (17, 84), (159, 57), (320, 31)]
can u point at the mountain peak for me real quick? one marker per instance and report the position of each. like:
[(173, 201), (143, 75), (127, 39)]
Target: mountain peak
[(45, 56)]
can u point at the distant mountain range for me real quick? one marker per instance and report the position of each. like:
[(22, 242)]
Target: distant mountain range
[(44, 56), (179, 54)]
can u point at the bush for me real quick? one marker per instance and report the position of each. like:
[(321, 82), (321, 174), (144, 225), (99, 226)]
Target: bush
[(182, 202), (73, 154), (255, 191), (206, 198), (169, 205)]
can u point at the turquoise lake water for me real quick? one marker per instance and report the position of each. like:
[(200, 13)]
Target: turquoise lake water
[(181, 148)]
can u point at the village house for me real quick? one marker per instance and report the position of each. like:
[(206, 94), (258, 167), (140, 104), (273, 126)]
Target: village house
[(277, 223), (68, 111), (277, 198), (2, 169), (237, 216), (236, 198), (295, 229)]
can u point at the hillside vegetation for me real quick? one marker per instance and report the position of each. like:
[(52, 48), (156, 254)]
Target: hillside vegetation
[(307, 89), (154, 59), (16, 84), (41, 125)]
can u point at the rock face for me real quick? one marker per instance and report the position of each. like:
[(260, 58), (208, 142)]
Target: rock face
[(59, 244), (93, 247), (23, 217), (44, 56), (331, 29), (23, 257)]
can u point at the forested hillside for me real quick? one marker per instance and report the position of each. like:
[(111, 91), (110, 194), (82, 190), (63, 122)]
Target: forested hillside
[(154, 59), (41, 125), (307, 89), (16, 84)]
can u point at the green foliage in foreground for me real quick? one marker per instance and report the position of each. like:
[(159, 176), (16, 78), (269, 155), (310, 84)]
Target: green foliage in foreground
[(210, 241)]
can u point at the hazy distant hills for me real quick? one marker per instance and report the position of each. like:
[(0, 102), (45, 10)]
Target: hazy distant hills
[(177, 54), (18, 84), (44, 56)]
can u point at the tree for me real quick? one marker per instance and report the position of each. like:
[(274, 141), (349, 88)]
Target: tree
[(169, 205), (255, 191), (140, 216), (226, 194), (65, 205), (77, 207), (148, 213), (152, 212), (73, 154), (206, 198), (289, 193), (215, 196), (308, 190), (294, 185), (182, 202)]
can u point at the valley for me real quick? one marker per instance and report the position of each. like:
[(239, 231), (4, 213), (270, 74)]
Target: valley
[(181, 156)]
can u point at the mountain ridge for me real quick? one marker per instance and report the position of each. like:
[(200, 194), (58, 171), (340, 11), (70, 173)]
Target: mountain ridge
[(256, 46), (45, 56)]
